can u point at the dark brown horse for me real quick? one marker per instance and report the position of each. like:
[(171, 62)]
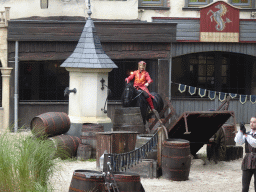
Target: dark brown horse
[(134, 98)]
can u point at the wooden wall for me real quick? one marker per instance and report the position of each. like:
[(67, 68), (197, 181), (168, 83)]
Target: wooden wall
[(188, 29), (118, 31), (55, 39), (243, 112), (28, 110)]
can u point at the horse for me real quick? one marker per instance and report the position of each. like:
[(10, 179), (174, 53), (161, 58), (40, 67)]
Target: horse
[(217, 17), (132, 97)]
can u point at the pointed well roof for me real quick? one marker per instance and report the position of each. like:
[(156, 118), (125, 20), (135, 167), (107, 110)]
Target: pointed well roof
[(89, 52)]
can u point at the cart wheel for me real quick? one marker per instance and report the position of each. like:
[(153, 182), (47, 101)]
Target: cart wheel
[(217, 149), (221, 144)]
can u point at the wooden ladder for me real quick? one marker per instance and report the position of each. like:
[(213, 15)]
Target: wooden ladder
[(152, 127)]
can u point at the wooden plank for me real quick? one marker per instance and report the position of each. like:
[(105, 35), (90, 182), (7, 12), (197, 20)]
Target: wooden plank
[(35, 50), (25, 47), (107, 31), (77, 30), (44, 29), (43, 56), (138, 54)]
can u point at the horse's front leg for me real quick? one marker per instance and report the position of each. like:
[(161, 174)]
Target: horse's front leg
[(210, 11)]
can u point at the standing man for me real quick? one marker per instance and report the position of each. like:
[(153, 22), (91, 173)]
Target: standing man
[(249, 161), (142, 81)]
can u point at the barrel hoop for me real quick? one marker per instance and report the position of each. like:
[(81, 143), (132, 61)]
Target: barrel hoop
[(61, 120), (76, 190), (179, 146), (174, 157), (67, 117), (91, 178), (73, 142), (126, 181), (124, 178), (75, 146), (54, 125), (78, 140), (45, 123)]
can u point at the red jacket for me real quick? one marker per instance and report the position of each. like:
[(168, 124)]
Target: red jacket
[(140, 79)]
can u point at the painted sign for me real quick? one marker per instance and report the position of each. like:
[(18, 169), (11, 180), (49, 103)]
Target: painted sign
[(219, 22)]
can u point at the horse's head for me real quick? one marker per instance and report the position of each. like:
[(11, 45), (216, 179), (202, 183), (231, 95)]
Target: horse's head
[(218, 6), (128, 94)]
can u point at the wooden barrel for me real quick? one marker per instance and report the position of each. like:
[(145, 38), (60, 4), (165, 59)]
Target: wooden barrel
[(88, 135), (65, 145), (50, 124), (230, 133), (86, 180), (84, 152), (128, 182), (128, 119), (176, 159)]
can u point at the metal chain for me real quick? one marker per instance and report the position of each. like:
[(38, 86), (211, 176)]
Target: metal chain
[(126, 160)]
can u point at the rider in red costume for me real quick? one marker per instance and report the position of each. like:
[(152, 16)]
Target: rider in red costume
[(142, 80)]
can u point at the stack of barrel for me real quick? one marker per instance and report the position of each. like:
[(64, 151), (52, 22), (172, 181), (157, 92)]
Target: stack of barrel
[(87, 147), (53, 126), (233, 152)]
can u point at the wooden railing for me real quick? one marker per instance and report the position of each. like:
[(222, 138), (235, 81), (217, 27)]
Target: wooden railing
[(4, 17)]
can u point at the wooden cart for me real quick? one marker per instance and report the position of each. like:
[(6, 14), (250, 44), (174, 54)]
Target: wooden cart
[(199, 127)]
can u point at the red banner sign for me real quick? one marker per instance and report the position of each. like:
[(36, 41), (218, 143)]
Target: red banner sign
[(219, 22)]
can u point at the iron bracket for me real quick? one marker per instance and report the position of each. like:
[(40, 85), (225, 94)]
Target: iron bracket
[(102, 83)]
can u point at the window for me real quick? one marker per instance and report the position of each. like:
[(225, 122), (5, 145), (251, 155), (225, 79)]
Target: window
[(43, 81), (44, 4), (216, 71), (153, 3), (243, 3), (196, 3)]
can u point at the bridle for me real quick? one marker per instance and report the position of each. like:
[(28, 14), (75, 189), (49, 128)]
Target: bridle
[(131, 100), (137, 96)]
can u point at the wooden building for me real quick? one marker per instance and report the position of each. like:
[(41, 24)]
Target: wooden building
[(219, 64), (169, 35), (44, 44)]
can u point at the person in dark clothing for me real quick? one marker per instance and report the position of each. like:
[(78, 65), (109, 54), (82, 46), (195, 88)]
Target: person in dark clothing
[(249, 161)]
